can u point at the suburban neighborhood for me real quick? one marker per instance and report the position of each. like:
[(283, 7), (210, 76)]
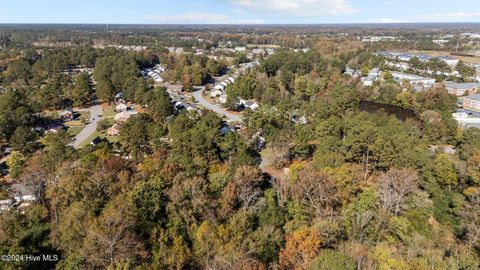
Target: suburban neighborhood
[(240, 135)]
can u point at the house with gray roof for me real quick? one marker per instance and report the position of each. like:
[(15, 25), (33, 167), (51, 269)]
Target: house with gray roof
[(462, 89), (472, 102)]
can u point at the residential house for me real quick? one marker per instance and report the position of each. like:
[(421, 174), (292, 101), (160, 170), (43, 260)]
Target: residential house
[(216, 93), (472, 102), (249, 104), (270, 51), (349, 71), (180, 105), (374, 73), (465, 119), (405, 57), (124, 116), (449, 60), (368, 81), (21, 196), (220, 87), (114, 130), (372, 77), (258, 51), (121, 107), (462, 89), (67, 115), (445, 149), (240, 49), (223, 99), (413, 79), (225, 83), (55, 128)]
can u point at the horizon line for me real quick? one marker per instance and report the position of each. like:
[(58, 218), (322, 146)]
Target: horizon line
[(239, 24)]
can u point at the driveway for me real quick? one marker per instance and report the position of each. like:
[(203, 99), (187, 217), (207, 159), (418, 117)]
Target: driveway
[(198, 95), (89, 129)]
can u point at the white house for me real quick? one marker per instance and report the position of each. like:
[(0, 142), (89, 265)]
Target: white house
[(252, 105), (449, 60), (413, 79), (368, 81), (249, 104), (240, 49), (121, 107), (372, 77), (374, 73), (220, 87), (124, 116), (223, 99), (258, 51), (216, 93), (270, 50)]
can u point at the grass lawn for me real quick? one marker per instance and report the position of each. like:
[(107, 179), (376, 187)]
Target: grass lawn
[(110, 121), (75, 123), (51, 114), (74, 130), (85, 115), (90, 139), (109, 112), (112, 139)]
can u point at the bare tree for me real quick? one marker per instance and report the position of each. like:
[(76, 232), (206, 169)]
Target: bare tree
[(112, 240), (471, 219), (189, 198), (243, 190), (316, 190), (394, 186), (35, 175), (247, 181), (280, 184)]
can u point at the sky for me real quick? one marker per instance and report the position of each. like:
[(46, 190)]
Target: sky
[(238, 11)]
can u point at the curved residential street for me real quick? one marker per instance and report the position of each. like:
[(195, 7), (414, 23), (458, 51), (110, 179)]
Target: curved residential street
[(198, 95), (89, 129)]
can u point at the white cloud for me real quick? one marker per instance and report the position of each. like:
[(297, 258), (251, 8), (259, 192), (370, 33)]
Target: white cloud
[(386, 20), (449, 16), (297, 7), (251, 21), (190, 17), (431, 17)]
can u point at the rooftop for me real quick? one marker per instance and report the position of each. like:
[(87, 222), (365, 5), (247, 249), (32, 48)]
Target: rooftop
[(474, 97), (456, 85)]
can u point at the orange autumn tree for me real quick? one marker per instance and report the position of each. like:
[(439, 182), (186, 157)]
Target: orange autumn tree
[(301, 248)]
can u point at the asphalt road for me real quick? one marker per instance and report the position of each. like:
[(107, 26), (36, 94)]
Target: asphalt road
[(198, 95), (89, 129)]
